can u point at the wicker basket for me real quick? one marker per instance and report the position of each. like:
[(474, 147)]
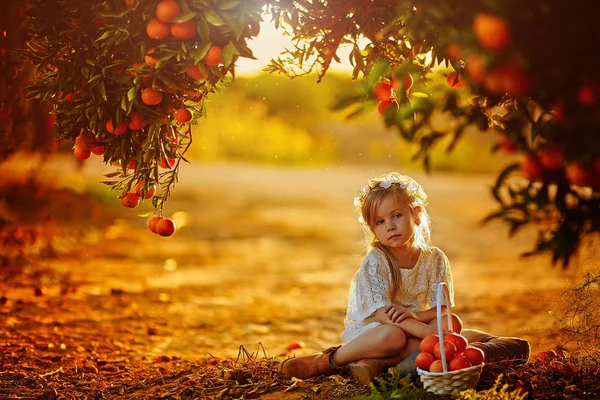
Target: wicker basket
[(447, 382)]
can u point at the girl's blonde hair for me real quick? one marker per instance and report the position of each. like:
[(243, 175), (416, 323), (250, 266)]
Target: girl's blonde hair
[(410, 195)]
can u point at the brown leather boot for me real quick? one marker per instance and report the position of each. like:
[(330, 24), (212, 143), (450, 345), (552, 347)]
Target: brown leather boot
[(309, 366), (367, 369)]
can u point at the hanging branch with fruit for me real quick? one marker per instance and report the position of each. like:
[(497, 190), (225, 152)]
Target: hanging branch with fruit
[(525, 73), (127, 78)]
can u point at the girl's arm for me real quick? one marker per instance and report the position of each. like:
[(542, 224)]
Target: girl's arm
[(411, 326), (429, 315)]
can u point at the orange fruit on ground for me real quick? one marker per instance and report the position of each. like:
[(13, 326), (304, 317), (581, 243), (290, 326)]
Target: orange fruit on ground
[(491, 31), (407, 81), (182, 115), (136, 121), (384, 105), (382, 91), (194, 72), (436, 366), (474, 355), (456, 80), (81, 153), (424, 360), (552, 157), (475, 66), (148, 59), (459, 341), (131, 200), (121, 129), (149, 194), (157, 30), (449, 350), (152, 222), (183, 30), (459, 362), (167, 10), (428, 343), (295, 344), (151, 97), (165, 227), (531, 168), (578, 175), (213, 57)]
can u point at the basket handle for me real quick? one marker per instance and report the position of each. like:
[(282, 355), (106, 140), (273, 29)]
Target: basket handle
[(442, 291)]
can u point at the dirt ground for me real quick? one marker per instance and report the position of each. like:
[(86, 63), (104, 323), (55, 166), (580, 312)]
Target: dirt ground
[(263, 257)]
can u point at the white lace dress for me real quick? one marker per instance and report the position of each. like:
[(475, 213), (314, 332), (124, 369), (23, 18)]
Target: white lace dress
[(418, 290)]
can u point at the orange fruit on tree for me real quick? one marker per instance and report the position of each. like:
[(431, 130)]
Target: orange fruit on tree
[(552, 157), (151, 97), (475, 66), (194, 72), (474, 355), (121, 129), (84, 140), (165, 227), (213, 57), (453, 52), (130, 200), (424, 360), (164, 165), (148, 59), (157, 30), (136, 121), (132, 4), (531, 167), (182, 115), (149, 194), (406, 81), (183, 30), (578, 175), (81, 153), (152, 222), (491, 31), (428, 343), (585, 95), (456, 80), (167, 10), (384, 105), (97, 150), (382, 91), (131, 164), (507, 144)]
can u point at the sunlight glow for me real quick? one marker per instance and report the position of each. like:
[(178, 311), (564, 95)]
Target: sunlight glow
[(270, 43)]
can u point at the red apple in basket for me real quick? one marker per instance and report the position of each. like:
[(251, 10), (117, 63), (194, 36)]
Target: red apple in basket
[(428, 343), (475, 355), (449, 349), (424, 360), (459, 341), (459, 362)]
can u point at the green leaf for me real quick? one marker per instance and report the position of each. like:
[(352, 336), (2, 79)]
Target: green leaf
[(227, 54), (131, 94), (214, 18), (199, 53), (228, 4), (186, 16), (203, 29), (378, 69), (124, 103), (103, 36), (420, 95)]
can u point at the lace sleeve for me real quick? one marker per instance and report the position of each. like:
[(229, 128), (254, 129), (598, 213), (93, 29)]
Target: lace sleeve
[(440, 273), (369, 288)]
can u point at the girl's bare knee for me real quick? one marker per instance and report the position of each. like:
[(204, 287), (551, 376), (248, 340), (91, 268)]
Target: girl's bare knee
[(392, 338)]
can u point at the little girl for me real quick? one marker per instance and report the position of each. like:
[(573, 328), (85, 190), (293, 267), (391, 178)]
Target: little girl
[(392, 299)]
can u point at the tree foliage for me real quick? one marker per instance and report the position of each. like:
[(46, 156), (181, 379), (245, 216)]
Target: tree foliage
[(523, 72)]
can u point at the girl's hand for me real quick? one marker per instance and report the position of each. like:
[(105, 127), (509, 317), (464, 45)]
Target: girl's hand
[(397, 313)]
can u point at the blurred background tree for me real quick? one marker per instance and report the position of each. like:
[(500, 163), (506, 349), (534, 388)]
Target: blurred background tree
[(126, 80)]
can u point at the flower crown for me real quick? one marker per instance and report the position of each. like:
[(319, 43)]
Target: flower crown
[(416, 192)]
